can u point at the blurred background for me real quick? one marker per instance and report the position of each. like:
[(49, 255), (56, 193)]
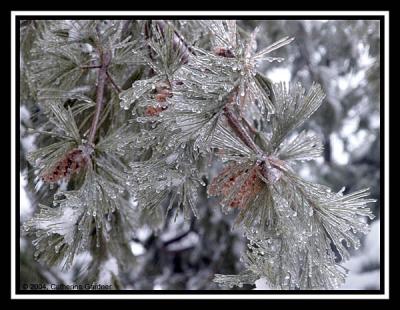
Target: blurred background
[(344, 57)]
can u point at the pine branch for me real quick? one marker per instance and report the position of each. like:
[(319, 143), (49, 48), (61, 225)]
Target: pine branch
[(190, 100)]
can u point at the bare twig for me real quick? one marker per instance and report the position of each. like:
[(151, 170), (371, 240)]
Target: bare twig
[(182, 235), (177, 238), (240, 131), (242, 117), (266, 164), (178, 39), (91, 67), (249, 126), (147, 34), (116, 87)]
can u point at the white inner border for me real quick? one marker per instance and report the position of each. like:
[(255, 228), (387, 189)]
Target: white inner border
[(329, 14)]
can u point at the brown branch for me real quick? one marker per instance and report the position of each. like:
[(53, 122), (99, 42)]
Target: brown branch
[(116, 87), (266, 164), (249, 126), (105, 59), (240, 131), (182, 235), (177, 238), (147, 35), (178, 39), (91, 67)]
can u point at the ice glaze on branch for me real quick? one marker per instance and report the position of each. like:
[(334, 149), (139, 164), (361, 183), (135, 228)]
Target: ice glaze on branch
[(269, 166), (105, 60), (240, 131), (179, 42), (266, 164)]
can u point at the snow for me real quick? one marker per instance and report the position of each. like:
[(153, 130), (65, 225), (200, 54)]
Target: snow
[(27, 141), (107, 269), (261, 284), (171, 158), (339, 155), (279, 75), (25, 210), (365, 59), (305, 172), (137, 248), (362, 281), (350, 125), (23, 244), (360, 141), (143, 233), (133, 201), (63, 225), (24, 113), (372, 243), (359, 279), (177, 226), (82, 260), (188, 241), (375, 120)]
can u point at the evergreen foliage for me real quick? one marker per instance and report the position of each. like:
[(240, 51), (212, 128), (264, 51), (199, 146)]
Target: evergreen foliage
[(133, 111)]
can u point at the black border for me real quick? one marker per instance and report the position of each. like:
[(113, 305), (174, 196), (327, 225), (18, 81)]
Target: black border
[(18, 291)]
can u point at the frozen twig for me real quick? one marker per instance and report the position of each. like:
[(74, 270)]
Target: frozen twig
[(105, 58)]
